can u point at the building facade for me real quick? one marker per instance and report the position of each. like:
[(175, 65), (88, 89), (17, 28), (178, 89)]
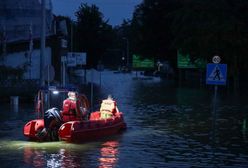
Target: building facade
[(20, 32)]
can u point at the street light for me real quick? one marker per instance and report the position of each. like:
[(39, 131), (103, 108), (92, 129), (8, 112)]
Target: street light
[(127, 51)]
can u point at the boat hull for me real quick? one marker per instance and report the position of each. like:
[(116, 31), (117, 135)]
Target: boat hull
[(31, 129), (95, 128), (79, 131)]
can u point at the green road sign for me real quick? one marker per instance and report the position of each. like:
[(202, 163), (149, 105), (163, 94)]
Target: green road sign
[(142, 63), (184, 61)]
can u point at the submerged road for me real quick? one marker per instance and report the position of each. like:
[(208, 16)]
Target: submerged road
[(168, 126)]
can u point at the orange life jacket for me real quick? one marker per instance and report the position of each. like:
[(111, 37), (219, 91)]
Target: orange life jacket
[(108, 108)]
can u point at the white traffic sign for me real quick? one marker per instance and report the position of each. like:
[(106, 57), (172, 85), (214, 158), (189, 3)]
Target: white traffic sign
[(71, 60), (76, 58), (216, 59), (81, 58)]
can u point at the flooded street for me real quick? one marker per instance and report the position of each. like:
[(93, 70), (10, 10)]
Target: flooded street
[(168, 126)]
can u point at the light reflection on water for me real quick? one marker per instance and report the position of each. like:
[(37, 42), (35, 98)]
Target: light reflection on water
[(61, 154), (167, 127), (50, 157), (108, 154)]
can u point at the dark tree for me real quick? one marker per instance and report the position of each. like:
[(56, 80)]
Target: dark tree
[(214, 27), (94, 35), (199, 28), (151, 29)]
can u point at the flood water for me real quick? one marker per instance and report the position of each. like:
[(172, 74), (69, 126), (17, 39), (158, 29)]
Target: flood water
[(168, 126)]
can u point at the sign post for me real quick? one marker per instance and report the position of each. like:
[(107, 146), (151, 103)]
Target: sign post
[(63, 61), (92, 89), (216, 75)]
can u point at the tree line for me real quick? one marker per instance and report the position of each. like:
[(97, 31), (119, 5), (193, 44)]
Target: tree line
[(159, 28)]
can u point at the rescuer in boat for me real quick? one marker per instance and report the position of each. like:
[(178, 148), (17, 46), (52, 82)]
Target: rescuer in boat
[(52, 122), (72, 110), (108, 108)]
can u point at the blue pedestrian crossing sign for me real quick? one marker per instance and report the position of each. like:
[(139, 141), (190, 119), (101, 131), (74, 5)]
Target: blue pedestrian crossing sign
[(216, 74)]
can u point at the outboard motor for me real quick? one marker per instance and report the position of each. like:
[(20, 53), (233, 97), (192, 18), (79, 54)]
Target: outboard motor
[(52, 115), (52, 122)]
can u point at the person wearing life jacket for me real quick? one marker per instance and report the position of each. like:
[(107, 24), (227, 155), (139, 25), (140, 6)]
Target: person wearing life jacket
[(108, 108), (71, 111)]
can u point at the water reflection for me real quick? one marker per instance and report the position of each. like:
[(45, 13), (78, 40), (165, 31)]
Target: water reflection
[(60, 157), (40, 158), (72, 156), (109, 154), (34, 157)]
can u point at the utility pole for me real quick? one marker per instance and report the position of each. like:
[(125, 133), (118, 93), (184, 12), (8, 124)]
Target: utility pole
[(127, 54), (71, 36), (42, 40)]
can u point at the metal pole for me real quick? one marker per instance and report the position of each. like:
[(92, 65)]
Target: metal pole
[(63, 71), (214, 121), (214, 108), (100, 78), (91, 90), (71, 36), (42, 40), (215, 99), (127, 54), (48, 85), (48, 76), (214, 113), (30, 49)]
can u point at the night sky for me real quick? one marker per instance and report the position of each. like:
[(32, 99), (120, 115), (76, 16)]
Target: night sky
[(114, 10)]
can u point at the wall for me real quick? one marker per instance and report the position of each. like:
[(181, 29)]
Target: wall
[(19, 59)]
